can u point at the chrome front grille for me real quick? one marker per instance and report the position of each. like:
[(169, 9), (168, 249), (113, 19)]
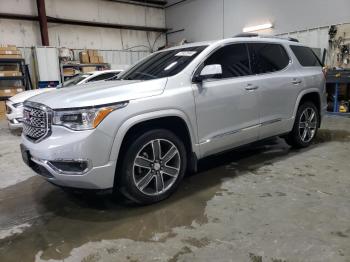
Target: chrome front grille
[(36, 121)]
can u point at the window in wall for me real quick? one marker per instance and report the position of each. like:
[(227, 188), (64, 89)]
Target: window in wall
[(305, 56), (233, 59), (267, 58)]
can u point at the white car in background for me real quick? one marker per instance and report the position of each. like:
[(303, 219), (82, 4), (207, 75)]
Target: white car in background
[(14, 105)]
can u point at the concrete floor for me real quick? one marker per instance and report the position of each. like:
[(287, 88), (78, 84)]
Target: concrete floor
[(262, 203)]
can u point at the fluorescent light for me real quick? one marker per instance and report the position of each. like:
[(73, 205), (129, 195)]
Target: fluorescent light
[(257, 27)]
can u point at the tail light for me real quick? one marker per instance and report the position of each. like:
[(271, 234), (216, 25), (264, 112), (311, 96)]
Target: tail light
[(325, 70)]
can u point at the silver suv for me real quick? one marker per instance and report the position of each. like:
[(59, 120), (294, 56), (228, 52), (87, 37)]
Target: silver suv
[(141, 133)]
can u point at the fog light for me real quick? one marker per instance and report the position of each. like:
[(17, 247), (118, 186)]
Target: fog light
[(71, 167)]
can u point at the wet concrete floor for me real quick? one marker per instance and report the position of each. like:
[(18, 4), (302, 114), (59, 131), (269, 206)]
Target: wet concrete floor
[(265, 202)]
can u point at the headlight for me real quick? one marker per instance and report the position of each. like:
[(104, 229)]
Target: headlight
[(16, 105), (84, 118)]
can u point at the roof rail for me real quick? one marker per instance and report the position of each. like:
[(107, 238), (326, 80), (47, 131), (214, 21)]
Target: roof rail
[(267, 36), (247, 35)]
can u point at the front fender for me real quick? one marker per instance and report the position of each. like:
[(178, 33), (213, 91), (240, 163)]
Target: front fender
[(129, 123)]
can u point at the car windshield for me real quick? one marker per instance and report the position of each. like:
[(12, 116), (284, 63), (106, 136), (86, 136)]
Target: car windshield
[(75, 80), (162, 64)]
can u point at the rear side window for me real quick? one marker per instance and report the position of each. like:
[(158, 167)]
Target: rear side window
[(233, 59), (305, 56), (267, 58)]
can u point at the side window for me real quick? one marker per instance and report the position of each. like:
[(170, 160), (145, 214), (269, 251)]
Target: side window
[(102, 77), (305, 56), (233, 59), (267, 58)]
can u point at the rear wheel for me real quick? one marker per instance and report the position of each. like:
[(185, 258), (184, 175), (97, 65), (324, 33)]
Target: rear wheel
[(305, 126), (153, 166)]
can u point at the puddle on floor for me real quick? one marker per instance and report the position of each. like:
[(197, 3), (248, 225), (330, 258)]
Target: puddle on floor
[(61, 222), (325, 135)]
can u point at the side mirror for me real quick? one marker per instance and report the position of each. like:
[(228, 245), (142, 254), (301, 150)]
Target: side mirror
[(209, 71)]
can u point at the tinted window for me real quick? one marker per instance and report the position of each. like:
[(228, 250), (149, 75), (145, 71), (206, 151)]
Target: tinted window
[(233, 59), (102, 77), (163, 64), (267, 58), (305, 56)]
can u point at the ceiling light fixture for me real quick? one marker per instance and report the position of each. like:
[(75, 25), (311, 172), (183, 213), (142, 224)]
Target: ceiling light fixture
[(257, 27)]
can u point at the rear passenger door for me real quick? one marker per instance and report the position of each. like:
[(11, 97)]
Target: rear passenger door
[(278, 86)]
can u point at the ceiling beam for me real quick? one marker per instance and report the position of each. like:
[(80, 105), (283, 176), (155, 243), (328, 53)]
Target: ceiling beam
[(147, 3), (84, 23)]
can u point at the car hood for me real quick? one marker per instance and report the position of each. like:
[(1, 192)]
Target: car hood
[(19, 98), (100, 93)]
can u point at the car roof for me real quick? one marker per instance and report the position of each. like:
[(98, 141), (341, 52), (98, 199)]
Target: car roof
[(266, 39)]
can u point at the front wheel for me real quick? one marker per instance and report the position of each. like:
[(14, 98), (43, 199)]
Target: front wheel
[(153, 166), (305, 126)]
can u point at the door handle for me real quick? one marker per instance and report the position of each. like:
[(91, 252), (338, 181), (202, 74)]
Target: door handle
[(251, 87), (296, 81)]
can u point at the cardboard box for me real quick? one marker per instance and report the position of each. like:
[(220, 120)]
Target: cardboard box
[(10, 52), (68, 71), (88, 69), (94, 60), (10, 73), (8, 48), (100, 59), (11, 56), (2, 106), (10, 91), (84, 57), (91, 52), (2, 110)]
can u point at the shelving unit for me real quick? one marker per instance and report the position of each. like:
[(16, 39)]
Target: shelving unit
[(24, 78), (78, 66), (335, 78)]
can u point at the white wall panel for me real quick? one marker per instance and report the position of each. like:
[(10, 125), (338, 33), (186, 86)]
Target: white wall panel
[(201, 19), (27, 34), (207, 19), (27, 7), (20, 33)]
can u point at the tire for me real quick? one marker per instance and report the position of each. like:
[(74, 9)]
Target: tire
[(305, 126), (148, 175)]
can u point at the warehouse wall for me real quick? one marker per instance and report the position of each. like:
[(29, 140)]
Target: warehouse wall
[(27, 33), (207, 19)]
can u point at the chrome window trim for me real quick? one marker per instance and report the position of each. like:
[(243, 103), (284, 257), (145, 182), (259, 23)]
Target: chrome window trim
[(238, 77)]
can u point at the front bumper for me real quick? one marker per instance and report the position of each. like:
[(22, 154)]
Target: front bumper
[(92, 146), (15, 123), (14, 115)]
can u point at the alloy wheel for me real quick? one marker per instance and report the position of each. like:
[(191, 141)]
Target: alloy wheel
[(156, 167), (307, 124)]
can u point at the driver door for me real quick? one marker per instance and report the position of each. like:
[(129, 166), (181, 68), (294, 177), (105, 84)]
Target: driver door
[(226, 106)]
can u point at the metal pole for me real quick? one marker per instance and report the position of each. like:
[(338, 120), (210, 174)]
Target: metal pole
[(335, 102), (43, 22)]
